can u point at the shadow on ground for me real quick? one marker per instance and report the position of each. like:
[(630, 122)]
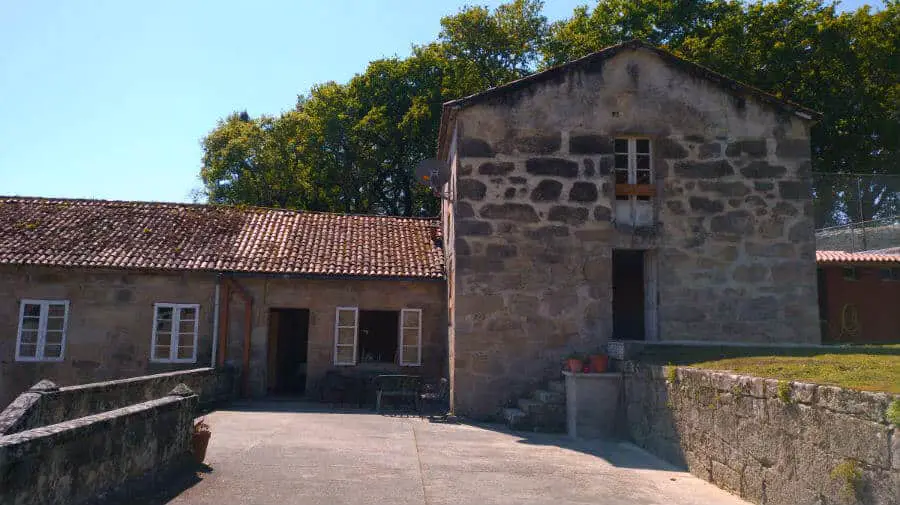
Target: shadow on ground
[(159, 489)]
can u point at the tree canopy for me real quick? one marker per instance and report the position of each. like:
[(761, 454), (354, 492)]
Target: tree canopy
[(352, 147)]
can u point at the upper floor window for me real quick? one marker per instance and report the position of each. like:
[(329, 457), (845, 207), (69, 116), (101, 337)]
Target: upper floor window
[(42, 330), (634, 180), (851, 274), (890, 274), (175, 333)]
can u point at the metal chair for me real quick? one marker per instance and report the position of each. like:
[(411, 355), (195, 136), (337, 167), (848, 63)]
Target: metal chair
[(435, 399), (403, 387)]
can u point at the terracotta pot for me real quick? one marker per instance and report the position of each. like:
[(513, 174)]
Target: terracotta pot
[(574, 365), (599, 363), (199, 443)]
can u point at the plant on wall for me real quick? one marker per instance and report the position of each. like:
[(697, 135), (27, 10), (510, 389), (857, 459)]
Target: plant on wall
[(851, 478)]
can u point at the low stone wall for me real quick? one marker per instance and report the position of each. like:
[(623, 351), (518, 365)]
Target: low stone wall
[(75, 461), (46, 404), (769, 441)]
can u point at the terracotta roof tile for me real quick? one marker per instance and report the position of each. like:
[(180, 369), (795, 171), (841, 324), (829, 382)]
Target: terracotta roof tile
[(175, 236), (860, 257)]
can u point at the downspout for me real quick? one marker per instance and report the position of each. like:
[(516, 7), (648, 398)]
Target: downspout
[(215, 332)]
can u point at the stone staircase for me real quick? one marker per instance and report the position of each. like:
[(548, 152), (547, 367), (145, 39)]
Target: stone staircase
[(544, 411)]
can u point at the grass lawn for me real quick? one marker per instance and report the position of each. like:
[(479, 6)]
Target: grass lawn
[(865, 367)]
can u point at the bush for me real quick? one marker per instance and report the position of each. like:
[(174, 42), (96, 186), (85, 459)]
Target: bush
[(893, 412)]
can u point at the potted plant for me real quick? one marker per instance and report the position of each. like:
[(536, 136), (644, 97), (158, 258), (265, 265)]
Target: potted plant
[(200, 439), (599, 362), (574, 363)]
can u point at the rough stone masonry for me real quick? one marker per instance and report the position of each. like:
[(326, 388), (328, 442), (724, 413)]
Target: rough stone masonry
[(534, 224)]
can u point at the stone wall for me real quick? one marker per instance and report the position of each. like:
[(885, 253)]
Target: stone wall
[(111, 319), (770, 442), (74, 461), (535, 222), (45, 403)]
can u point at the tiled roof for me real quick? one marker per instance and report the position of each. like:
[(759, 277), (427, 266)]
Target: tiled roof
[(174, 236), (860, 257)]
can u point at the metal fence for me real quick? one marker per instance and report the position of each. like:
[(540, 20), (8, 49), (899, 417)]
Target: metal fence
[(856, 212)]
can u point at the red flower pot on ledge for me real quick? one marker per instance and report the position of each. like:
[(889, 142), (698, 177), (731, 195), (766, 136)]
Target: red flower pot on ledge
[(599, 363), (574, 365)]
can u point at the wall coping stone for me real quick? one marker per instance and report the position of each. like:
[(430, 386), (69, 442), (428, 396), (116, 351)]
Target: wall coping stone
[(594, 376)]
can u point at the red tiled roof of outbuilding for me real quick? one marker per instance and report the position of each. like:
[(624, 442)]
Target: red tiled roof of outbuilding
[(835, 257), (177, 236)]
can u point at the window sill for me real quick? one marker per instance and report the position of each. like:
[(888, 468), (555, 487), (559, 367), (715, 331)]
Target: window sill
[(39, 360), (173, 361)]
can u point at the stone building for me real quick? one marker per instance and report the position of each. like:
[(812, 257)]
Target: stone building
[(627, 194), (95, 290)]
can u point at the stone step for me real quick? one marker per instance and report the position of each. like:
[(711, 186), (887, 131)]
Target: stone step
[(551, 397), (557, 386), (515, 418)]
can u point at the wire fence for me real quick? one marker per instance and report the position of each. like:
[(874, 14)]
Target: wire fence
[(856, 212)]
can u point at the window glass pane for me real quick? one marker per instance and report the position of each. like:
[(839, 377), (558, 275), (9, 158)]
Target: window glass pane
[(410, 354), (621, 162), (346, 318), (411, 319), (621, 177), (163, 325), (53, 351), (164, 313), (163, 339), (643, 162), (28, 350), (56, 310), (643, 177), (621, 145), (54, 337), (346, 336), (32, 310), (161, 352), (29, 336), (188, 313), (55, 323), (643, 198), (186, 352), (345, 354), (410, 336), (643, 145), (30, 324), (621, 197), (186, 327)]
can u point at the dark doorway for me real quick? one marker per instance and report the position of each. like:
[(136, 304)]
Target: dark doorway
[(288, 342), (379, 331), (628, 294)]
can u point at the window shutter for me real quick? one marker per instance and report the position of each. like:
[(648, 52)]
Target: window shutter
[(346, 323), (411, 337)]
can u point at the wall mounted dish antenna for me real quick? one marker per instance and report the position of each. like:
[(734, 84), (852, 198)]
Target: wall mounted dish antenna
[(434, 174)]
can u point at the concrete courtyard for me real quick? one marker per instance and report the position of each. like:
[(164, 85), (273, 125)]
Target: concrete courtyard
[(295, 453)]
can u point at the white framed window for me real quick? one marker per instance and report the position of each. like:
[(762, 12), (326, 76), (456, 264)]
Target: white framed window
[(410, 337), (42, 330), (634, 180), (346, 335), (175, 333)]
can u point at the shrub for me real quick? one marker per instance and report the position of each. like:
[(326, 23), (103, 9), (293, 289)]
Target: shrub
[(784, 391), (851, 477), (671, 374), (893, 412)]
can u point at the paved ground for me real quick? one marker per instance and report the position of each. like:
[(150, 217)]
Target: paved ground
[(291, 453)]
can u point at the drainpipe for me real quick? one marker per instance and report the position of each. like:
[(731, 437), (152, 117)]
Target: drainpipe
[(215, 332)]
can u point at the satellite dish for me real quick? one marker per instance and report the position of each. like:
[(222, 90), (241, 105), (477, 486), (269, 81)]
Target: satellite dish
[(433, 173)]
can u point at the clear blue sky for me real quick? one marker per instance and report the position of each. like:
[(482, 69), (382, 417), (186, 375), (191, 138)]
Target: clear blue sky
[(110, 98)]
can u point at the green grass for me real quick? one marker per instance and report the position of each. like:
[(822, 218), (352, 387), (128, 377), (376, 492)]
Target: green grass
[(865, 367)]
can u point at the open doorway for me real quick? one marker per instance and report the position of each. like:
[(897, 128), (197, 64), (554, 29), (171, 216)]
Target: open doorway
[(288, 343), (378, 336), (634, 294)]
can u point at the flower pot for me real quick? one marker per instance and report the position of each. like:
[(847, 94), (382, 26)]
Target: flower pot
[(599, 363), (199, 443), (574, 365)]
